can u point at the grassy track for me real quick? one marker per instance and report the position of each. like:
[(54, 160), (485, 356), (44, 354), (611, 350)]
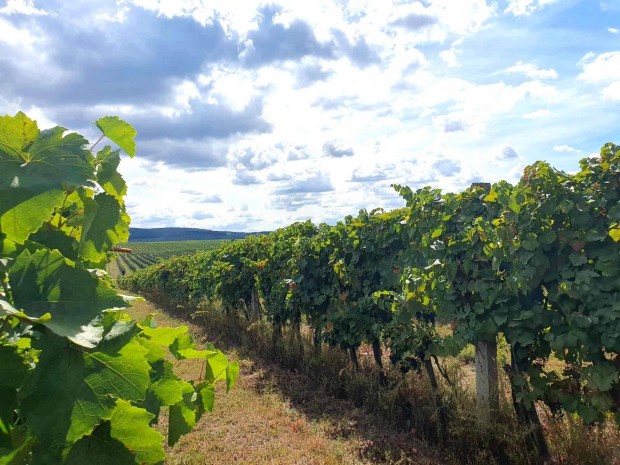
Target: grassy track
[(273, 416)]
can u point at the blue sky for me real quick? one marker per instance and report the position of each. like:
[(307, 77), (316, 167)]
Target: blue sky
[(253, 114)]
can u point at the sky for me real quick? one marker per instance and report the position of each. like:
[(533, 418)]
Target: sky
[(252, 115)]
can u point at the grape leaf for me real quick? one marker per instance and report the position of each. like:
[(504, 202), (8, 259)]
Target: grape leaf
[(182, 415), (52, 161), (216, 366), (130, 425), (164, 336), (23, 211), (99, 448), (105, 224), (53, 238), (107, 175), (166, 386), (232, 373), (56, 159), (83, 386), (16, 134), (206, 393), (46, 282), (119, 132)]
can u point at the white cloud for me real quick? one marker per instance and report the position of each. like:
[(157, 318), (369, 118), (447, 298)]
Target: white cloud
[(613, 30), (565, 149), (251, 158), (119, 16), (468, 18), (603, 70), (612, 91), (450, 57), (19, 38), (402, 92), (527, 7), (532, 71), (537, 114), (230, 86), (21, 7)]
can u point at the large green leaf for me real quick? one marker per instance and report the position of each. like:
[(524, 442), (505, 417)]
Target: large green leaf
[(35, 170), (105, 224), (52, 161), (164, 336), (166, 386), (216, 365), (119, 132), (56, 159), (54, 238), (232, 373), (46, 282), (130, 425), (100, 448), (182, 415), (72, 390), (107, 175), (24, 210), (16, 134), (206, 397)]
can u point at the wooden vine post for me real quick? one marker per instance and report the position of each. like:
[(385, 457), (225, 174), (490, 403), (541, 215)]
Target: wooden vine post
[(487, 390), (487, 381)]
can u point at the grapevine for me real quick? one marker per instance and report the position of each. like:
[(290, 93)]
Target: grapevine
[(80, 381), (536, 262)]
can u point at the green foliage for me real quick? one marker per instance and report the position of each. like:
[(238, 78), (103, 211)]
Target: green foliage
[(79, 380), (537, 263)]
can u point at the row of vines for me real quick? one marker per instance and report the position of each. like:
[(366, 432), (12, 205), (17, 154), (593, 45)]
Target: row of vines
[(129, 263), (143, 254), (538, 262), (165, 250)]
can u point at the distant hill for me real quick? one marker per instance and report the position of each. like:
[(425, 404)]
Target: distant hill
[(181, 234)]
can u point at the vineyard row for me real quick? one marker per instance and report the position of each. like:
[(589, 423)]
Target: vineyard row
[(537, 262)]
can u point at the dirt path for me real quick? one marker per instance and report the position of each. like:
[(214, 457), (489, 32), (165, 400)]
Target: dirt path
[(274, 416)]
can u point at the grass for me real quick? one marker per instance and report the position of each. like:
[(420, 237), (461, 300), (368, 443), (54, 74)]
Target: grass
[(359, 421), (277, 416), (407, 404)]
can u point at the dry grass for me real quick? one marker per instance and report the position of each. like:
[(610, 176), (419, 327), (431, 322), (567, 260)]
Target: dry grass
[(114, 270), (299, 406), (275, 416)]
